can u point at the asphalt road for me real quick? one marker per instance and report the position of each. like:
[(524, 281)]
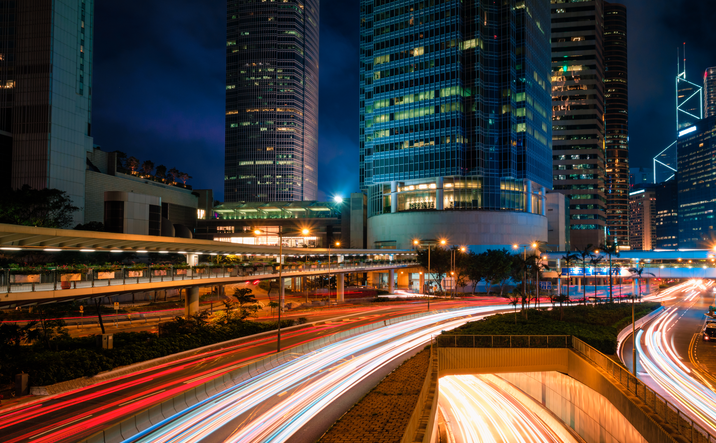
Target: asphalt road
[(679, 364), (101, 405)]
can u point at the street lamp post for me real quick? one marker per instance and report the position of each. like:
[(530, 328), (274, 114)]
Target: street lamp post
[(427, 294), (329, 272), (280, 283), (524, 261)]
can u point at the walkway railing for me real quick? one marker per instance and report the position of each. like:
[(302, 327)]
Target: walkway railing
[(23, 280), (666, 411)]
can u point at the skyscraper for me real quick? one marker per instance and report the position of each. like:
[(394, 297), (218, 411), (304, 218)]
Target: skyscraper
[(710, 92), (46, 94), (455, 132), (271, 101), (578, 115), (616, 122), (697, 185)]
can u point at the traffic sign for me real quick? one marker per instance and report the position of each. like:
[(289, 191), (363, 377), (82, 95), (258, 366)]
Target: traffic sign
[(82, 308), (545, 285), (116, 306)]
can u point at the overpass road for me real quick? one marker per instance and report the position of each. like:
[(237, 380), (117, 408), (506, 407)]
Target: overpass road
[(78, 414), (672, 358)]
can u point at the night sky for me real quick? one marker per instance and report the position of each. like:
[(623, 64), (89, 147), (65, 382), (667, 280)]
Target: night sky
[(160, 69)]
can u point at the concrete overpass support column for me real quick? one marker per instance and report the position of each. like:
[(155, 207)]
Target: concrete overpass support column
[(340, 287), (647, 286), (559, 286), (191, 301), (421, 289), (391, 281), (281, 291)]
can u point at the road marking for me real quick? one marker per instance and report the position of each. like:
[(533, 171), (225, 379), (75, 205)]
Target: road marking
[(61, 426), (282, 394), (141, 398), (217, 372)]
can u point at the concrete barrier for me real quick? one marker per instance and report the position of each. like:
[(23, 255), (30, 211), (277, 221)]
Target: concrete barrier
[(229, 380)]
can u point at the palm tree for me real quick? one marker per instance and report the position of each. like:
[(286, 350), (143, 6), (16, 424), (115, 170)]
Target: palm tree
[(595, 261), (584, 255), (568, 259), (612, 250), (639, 271)]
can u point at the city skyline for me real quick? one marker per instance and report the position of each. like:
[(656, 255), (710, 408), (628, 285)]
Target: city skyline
[(168, 123)]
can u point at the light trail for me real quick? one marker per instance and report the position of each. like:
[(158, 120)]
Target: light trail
[(478, 410), (312, 382), (661, 361)]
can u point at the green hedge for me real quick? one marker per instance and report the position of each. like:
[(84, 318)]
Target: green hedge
[(73, 358), (597, 326)]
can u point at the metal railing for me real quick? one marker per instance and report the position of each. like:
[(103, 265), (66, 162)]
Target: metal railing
[(504, 341), (12, 280), (666, 411)]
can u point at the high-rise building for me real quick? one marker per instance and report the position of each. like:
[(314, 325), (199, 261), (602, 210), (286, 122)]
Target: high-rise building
[(639, 176), (271, 101), (642, 218), (697, 185), (616, 122), (667, 215), (710, 92), (455, 130), (46, 94), (578, 115)]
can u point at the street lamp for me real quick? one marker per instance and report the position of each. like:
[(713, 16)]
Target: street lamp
[(305, 232), (453, 265), (280, 282), (329, 270), (416, 243)]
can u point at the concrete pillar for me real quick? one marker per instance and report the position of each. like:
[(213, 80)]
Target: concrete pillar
[(192, 259), (647, 289), (528, 196), (393, 197), (421, 289), (294, 286), (281, 291), (439, 194), (543, 192), (191, 301), (340, 287), (559, 285), (391, 281), (304, 283)]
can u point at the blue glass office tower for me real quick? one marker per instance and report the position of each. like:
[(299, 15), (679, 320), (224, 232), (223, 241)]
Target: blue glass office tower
[(455, 119)]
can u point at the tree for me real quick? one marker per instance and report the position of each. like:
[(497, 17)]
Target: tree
[(568, 259), (476, 267), (515, 296), (132, 163), (499, 268), (248, 306), (91, 226), (639, 271), (161, 171), (595, 261), (612, 250), (173, 174), (42, 208), (439, 263), (183, 176), (584, 255), (147, 167)]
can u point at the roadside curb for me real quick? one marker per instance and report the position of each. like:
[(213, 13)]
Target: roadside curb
[(624, 333)]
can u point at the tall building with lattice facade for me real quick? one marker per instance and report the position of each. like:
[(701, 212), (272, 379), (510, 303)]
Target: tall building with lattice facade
[(271, 151), (455, 119), (710, 92), (46, 94), (578, 72), (616, 125)]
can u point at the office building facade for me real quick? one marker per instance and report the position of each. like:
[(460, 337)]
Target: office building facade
[(271, 151), (616, 84), (697, 185), (455, 132), (642, 219), (667, 215), (710, 92), (46, 94), (578, 115)]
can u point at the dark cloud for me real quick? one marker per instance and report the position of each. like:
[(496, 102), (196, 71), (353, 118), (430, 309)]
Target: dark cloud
[(159, 82)]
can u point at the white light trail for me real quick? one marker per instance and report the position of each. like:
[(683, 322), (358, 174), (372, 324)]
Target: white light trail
[(312, 381)]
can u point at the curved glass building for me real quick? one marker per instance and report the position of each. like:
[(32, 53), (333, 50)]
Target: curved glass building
[(455, 118), (271, 100)]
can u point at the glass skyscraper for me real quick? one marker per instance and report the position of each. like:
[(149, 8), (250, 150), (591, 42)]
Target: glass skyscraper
[(578, 114), (271, 100), (454, 109), (616, 83), (710, 92)]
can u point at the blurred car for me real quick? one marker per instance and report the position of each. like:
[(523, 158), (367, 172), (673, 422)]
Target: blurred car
[(709, 331)]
